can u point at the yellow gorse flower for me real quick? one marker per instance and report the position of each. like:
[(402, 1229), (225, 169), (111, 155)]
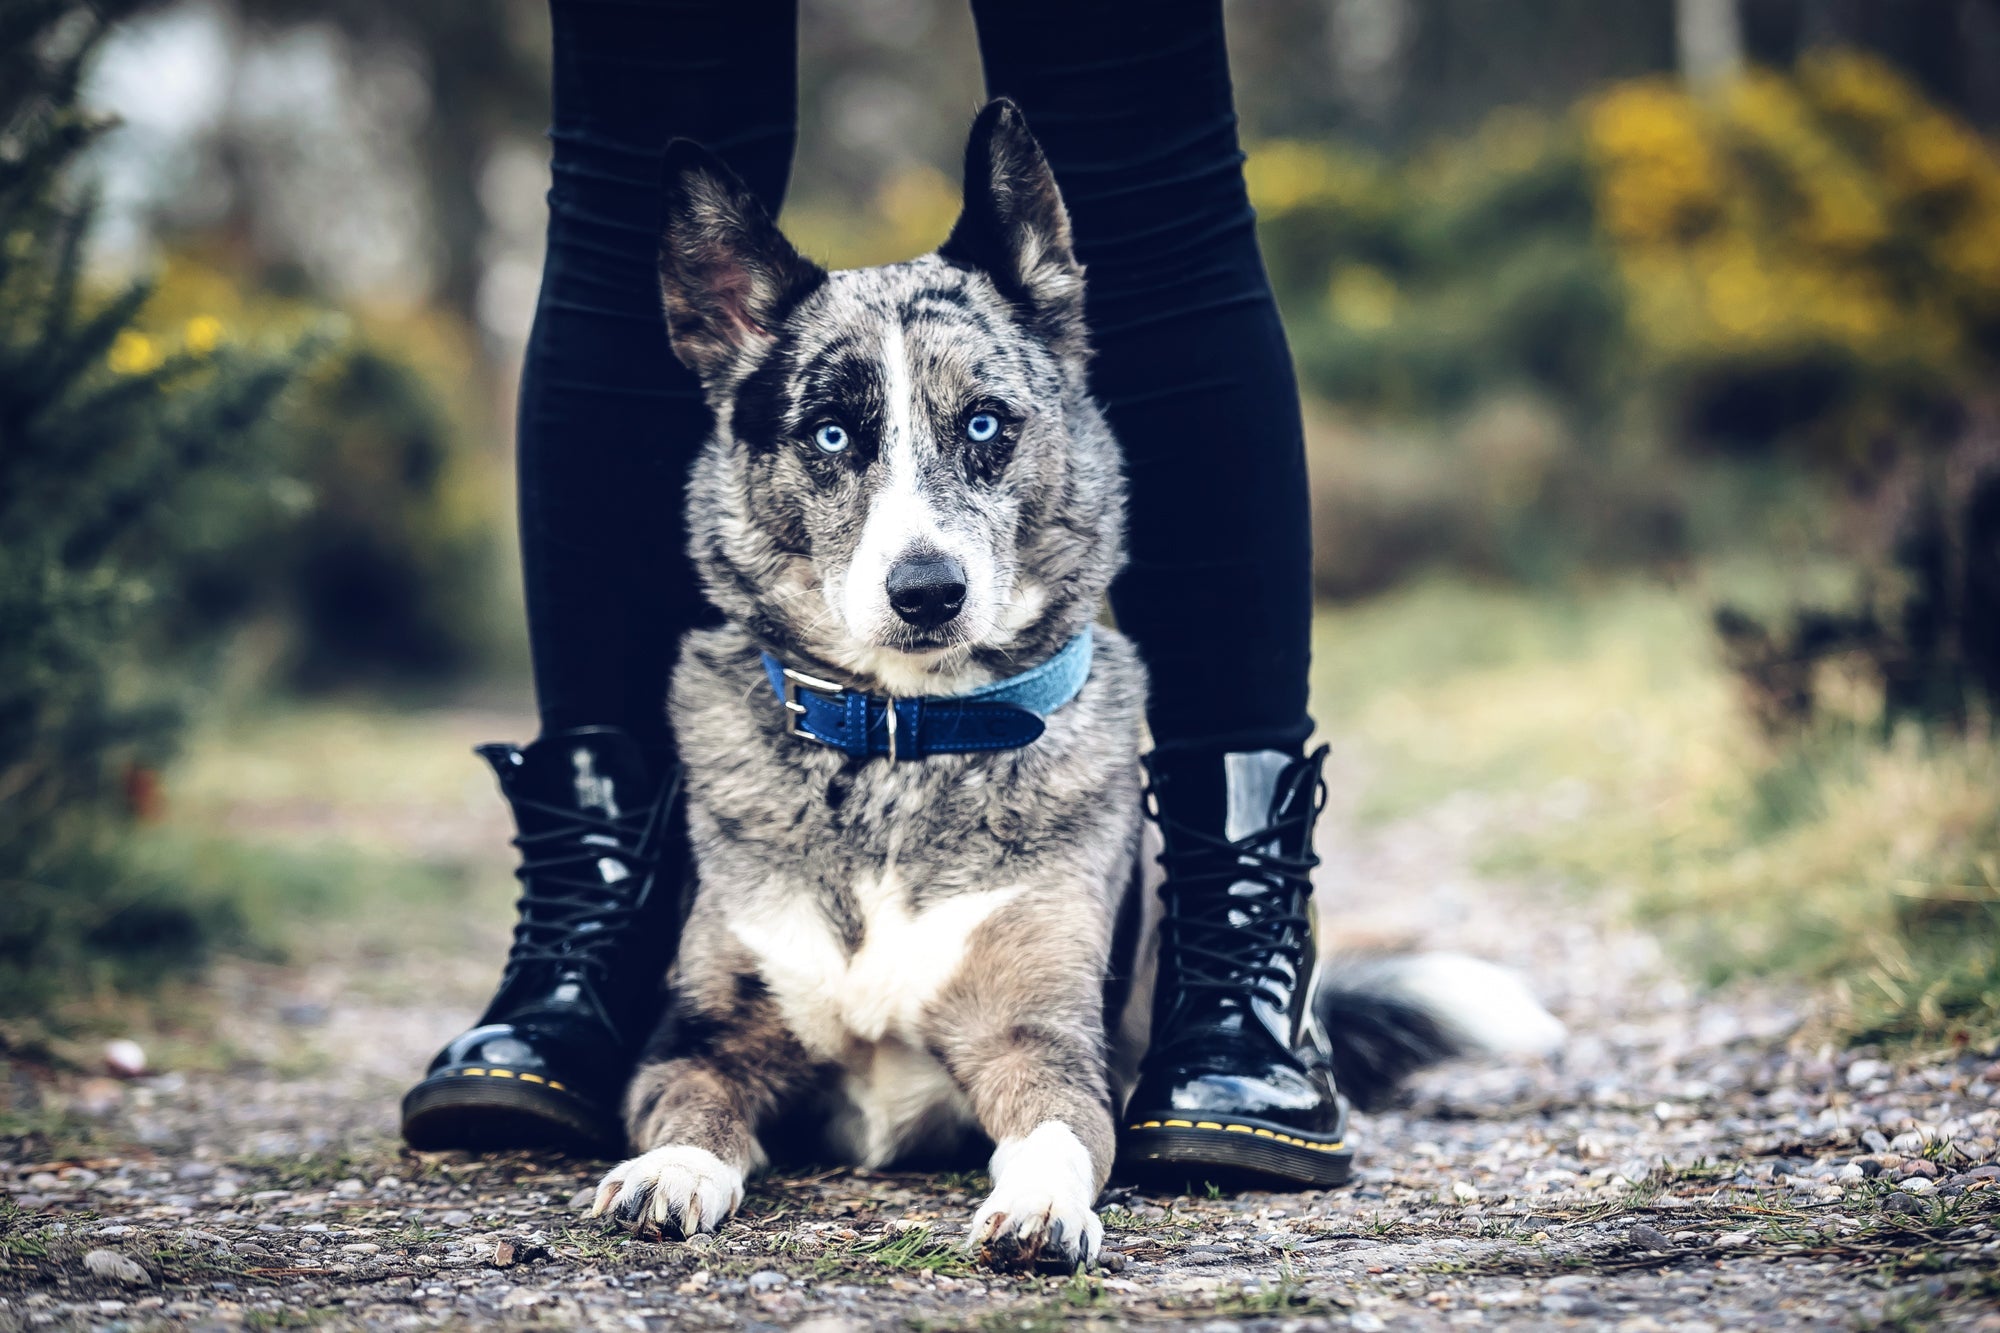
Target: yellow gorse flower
[(202, 335), (1783, 214), (133, 353), (1659, 178), (1363, 297), (1287, 174)]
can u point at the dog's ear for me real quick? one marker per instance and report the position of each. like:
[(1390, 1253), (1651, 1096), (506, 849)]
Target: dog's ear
[(1014, 227), (727, 275)]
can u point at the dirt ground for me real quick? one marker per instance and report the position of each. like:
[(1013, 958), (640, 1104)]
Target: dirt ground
[(1688, 1162)]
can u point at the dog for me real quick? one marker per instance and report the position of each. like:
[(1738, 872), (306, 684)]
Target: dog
[(909, 494)]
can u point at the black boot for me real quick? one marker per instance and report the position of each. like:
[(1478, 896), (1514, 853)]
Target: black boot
[(604, 859), (1237, 1082)]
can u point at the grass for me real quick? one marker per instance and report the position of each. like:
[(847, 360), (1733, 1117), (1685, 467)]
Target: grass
[(273, 826), (593, 1244), (34, 1249), (916, 1250), (1867, 866)]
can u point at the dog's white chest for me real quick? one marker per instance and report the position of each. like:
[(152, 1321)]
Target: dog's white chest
[(864, 1010), (832, 999)]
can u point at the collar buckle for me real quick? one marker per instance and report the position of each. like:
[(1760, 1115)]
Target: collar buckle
[(795, 710)]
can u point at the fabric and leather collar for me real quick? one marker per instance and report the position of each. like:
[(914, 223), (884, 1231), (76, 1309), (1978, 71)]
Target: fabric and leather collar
[(1005, 715)]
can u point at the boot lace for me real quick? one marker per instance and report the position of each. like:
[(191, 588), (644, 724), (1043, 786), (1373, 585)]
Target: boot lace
[(569, 913), (1231, 943)]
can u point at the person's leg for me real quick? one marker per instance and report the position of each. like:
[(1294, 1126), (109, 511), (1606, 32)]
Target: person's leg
[(609, 422), (1132, 103), (608, 418)]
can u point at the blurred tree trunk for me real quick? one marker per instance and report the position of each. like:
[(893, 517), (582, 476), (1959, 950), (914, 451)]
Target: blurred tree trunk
[(1709, 38), (487, 67), (482, 90)]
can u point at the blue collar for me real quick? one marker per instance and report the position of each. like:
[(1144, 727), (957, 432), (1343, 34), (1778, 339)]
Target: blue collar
[(1005, 715)]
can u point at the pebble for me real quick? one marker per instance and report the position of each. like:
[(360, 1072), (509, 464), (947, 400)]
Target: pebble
[(1571, 1306), (1648, 1238), (766, 1279), (112, 1266), (1867, 1071), (125, 1058), (302, 1014), (1899, 1202)]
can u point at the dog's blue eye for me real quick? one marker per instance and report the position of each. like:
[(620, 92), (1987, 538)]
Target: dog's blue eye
[(830, 438), (981, 427)]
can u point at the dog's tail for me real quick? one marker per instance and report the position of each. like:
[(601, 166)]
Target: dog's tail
[(1387, 1017)]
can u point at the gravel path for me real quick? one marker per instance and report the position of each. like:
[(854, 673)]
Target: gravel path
[(1686, 1164)]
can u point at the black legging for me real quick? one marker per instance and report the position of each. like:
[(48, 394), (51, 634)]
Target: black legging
[(1132, 103)]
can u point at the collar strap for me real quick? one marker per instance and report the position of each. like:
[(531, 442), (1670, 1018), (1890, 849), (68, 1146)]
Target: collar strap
[(1005, 715)]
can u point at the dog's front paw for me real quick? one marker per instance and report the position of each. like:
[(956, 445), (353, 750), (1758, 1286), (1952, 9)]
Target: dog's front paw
[(1039, 1213), (1025, 1227), (679, 1191)]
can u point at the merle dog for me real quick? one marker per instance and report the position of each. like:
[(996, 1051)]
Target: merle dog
[(909, 495)]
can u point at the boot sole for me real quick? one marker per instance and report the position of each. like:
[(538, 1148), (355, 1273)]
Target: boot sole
[(1243, 1153), (492, 1110)]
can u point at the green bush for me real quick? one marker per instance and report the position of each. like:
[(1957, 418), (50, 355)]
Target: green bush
[(1419, 288), (1461, 311), (121, 476), (379, 571)]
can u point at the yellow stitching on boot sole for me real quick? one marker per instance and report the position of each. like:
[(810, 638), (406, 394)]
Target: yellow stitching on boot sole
[(1259, 1131), (508, 1073)]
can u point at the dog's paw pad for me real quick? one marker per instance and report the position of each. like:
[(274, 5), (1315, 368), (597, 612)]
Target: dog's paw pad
[(1023, 1227), (676, 1191)]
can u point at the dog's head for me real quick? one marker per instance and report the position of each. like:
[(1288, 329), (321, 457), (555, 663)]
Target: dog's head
[(908, 481)]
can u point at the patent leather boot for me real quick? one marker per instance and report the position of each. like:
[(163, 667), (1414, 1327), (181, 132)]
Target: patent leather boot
[(1237, 1083), (604, 859)]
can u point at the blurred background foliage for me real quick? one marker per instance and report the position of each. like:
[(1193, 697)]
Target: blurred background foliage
[(1647, 349)]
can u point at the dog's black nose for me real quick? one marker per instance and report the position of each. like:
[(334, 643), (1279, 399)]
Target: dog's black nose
[(927, 590)]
